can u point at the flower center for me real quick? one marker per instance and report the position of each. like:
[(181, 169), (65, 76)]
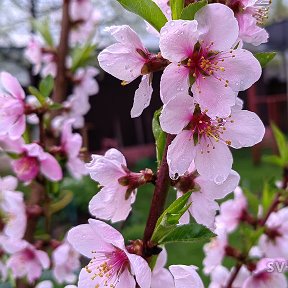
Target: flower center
[(26, 168), (107, 267)]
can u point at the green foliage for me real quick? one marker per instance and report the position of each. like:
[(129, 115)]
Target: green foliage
[(253, 201), (264, 57), (34, 91), (46, 86), (148, 10), (67, 197), (82, 55), (159, 135), (188, 13), (44, 29), (282, 159), (176, 7), (268, 195)]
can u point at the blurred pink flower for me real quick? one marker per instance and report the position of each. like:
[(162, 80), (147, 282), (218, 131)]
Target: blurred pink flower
[(231, 211), (71, 144), (80, 10), (12, 107), (45, 284), (112, 202), (33, 53), (125, 60), (186, 276), (205, 139), (263, 278), (204, 52), (35, 160), (275, 242), (28, 262), (111, 264), (66, 261), (161, 277), (12, 208)]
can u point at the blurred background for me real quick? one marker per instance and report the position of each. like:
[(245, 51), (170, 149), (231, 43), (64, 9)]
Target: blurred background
[(108, 123)]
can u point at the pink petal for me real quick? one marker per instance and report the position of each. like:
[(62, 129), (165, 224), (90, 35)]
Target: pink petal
[(9, 183), (51, 168), (244, 129), (12, 85), (216, 164), (177, 39), (43, 259), (107, 233), (212, 95), (116, 155), (212, 191), (85, 280), (186, 276), (84, 239), (218, 26), (126, 279), (141, 270), (177, 114), (18, 129), (203, 209), (121, 61), (242, 69), (174, 80), (162, 279), (181, 153), (142, 96), (161, 261)]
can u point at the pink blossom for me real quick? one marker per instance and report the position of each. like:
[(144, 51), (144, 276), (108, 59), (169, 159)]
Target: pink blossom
[(274, 243), (205, 139), (186, 276), (86, 85), (111, 265), (204, 52), (28, 262), (33, 53), (221, 275), (232, 210), (49, 65), (12, 208), (12, 107), (125, 60), (263, 278), (250, 15), (161, 277), (35, 160), (215, 250), (9, 145), (3, 271), (205, 192), (71, 144), (80, 10), (65, 262), (113, 202)]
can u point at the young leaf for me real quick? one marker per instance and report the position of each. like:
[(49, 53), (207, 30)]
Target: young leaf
[(188, 13), (46, 86), (274, 159), (170, 218), (43, 28), (159, 135), (34, 91), (148, 10), (82, 55), (269, 192), (176, 7), (187, 233), (264, 57), (281, 142)]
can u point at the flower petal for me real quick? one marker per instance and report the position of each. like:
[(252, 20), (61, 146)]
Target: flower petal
[(12, 85), (51, 168), (142, 96)]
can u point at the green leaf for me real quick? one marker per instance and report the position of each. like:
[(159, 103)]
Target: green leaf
[(43, 28), (55, 106), (170, 218), (34, 91), (176, 7), (269, 192), (253, 201), (274, 159), (159, 135), (46, 86), (82, 55), (188, 13), (148, 10), (188, 233), (281, 142), (264, 57)]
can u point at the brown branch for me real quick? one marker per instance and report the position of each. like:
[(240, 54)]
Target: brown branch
[(61, 80), (158, 200)]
